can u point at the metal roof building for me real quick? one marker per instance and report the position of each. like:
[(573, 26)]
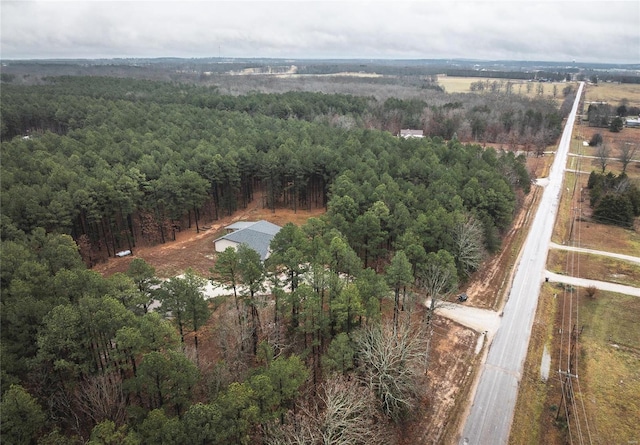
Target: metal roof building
[(257, 235)]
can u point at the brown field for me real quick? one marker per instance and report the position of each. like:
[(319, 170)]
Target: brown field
[(463, 85), (613, 93)]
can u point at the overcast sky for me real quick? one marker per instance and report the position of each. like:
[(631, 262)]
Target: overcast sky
[(585, 31)]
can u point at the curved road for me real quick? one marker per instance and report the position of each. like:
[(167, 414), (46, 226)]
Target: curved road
[(491, 414)]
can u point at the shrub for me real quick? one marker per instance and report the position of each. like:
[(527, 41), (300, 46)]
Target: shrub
[(616, 125), (596, 140)]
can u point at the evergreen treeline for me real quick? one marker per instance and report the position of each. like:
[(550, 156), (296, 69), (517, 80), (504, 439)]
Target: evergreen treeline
[(614, 199), (112, 163)]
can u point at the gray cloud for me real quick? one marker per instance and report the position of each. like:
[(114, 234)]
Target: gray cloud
[(590, 31)]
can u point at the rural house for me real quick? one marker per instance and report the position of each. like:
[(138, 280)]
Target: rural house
[(408, 133), (257, 235)]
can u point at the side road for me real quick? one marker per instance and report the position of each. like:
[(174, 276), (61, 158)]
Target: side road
[(583, 282), (633, 259)]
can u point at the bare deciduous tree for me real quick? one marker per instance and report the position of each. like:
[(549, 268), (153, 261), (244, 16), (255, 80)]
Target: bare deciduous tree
[(627, 152), (349, 415), (101, 398), (345, 413), (541, 140), (389, 366), (231, 335), (469, 240), (438, 277), (602, 156)]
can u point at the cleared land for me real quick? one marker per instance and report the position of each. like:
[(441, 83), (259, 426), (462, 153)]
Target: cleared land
[(613, 93), (463, 85)]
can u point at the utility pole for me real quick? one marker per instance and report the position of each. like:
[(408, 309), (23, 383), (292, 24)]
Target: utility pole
[(566, 387)]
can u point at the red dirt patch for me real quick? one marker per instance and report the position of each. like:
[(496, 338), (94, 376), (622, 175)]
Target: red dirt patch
[(450, 371), (195, 250), (486, 287)]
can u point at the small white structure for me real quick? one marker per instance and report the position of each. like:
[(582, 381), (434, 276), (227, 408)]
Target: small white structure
[(255, 234), (407, 133), (633, 122)]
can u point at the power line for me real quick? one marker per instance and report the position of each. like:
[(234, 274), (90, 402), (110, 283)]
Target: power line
[(572, 267)]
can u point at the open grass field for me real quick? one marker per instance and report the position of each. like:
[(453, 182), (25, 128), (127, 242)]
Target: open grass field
[(610, 374), (613, 93), (463, 85), (608, 384)]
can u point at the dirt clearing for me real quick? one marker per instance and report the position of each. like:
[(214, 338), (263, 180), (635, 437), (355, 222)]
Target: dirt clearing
[(195, 250)]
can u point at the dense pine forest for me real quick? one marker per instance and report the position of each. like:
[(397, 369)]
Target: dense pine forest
[(93, 165)]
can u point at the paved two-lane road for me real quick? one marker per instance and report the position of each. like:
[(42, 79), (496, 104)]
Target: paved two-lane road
[(490, 417)]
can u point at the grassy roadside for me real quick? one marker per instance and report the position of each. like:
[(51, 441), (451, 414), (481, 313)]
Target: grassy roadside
[(608, 373), (565, 209), (532, 410)]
